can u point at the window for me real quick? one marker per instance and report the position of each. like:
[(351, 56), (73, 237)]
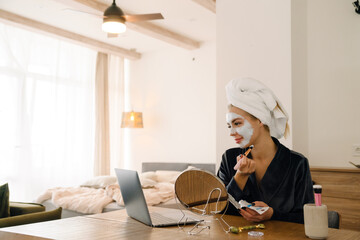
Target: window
[(46, 112)]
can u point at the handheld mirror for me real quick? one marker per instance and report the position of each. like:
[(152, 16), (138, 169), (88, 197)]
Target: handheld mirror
[(201, 192)]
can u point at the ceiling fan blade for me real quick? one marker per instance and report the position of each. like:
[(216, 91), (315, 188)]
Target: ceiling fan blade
[(79, 11), (112, 35), (143, 17)]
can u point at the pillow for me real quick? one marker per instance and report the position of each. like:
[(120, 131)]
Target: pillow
[(148, 179), (100, 182), (149, 175), (4, 201), (147, 182), (167, 176)]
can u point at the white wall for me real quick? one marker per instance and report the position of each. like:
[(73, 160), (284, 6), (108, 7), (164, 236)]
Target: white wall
[(253, 39), (300, 116), (175, 90), (307, 51), (333, 82)]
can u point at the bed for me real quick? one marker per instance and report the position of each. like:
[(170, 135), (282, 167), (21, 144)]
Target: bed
[(166, 173)]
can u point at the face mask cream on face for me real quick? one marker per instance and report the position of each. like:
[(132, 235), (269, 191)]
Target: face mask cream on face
[(246, 131)]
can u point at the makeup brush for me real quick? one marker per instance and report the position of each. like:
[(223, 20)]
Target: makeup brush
[(236, 167), (249, 150), (317, 191)]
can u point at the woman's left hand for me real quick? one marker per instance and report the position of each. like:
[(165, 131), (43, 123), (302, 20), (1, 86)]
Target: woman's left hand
[(253, 216)]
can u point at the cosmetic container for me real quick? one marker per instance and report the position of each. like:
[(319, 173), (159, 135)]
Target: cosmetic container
[(316, 217)]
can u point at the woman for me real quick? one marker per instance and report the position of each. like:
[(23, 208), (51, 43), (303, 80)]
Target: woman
[(271, 175)]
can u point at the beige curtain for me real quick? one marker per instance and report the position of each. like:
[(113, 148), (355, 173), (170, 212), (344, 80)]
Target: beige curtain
[(102, 139), (109, 105)]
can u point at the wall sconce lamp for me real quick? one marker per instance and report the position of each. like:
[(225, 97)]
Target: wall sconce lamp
[(132, 120)]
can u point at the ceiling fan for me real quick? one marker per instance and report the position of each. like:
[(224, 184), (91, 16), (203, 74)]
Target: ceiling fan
[(114, 19)]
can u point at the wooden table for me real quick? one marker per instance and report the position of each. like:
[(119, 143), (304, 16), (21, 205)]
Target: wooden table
[(117, 225)]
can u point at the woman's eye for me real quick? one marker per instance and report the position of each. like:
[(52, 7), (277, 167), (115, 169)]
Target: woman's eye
[(228, 126), (237, 123)]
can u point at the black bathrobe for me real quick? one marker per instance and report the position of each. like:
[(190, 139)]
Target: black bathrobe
[(286, 185)]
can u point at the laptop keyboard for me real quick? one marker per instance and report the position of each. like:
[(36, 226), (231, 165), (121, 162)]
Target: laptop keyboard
[(157, 219)]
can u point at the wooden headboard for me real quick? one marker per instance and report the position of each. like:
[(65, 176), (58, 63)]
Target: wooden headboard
[(153, 166)]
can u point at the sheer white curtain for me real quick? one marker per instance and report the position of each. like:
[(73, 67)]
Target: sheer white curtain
[(46, 112), (116, 92)]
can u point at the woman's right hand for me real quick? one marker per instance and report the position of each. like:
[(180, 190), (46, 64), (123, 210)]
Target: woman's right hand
[(245, 166)]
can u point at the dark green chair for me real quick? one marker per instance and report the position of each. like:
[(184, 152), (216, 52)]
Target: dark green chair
[(20, 208), (18, 213), (30, 213)]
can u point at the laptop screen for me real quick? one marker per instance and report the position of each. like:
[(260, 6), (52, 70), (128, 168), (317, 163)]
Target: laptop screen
[(133, 195)]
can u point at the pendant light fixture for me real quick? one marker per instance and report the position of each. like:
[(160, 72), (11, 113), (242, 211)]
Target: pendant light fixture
[(132, 120)]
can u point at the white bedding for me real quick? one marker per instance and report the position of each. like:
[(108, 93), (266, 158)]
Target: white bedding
[(158, 188), (79, 199)]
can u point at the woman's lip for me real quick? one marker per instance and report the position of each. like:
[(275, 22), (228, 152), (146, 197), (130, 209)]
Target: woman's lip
[(237, 140)]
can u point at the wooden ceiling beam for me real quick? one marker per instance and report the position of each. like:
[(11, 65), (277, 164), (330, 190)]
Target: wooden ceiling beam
[(208, 4), (163, 34), (145, 27), (36, 26)]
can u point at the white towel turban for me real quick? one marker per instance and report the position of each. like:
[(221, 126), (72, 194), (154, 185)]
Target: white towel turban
[(255, 98)]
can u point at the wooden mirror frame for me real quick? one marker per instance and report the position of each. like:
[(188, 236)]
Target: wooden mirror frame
[(201, 192)]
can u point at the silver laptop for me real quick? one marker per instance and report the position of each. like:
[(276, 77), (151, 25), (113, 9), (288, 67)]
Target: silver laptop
[(136, 206)]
